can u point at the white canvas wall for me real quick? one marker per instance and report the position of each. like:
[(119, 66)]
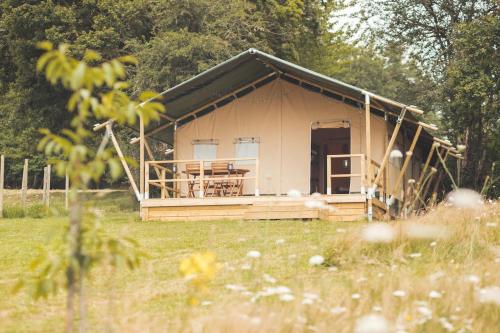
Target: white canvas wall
[(280, 115)]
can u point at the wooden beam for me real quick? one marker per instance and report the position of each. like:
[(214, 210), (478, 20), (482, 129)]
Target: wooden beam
[(397, 104), (141, 156), (100, 126), (148, 134), (24, 183), (124, 162), (226, 96), (426, 166), (436, 166), (368, 139), (394, 135), (409, 155)]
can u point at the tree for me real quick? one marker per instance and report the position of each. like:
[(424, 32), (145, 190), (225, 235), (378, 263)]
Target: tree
[(456, 43), (96, 91)]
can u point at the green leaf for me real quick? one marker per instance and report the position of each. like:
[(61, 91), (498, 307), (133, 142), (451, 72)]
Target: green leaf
[(78, 75), (45, 45)]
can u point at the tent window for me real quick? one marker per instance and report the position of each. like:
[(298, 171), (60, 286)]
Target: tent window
[(204, 149), (246, 148)]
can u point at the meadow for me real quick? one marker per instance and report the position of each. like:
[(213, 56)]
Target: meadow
[(437, 273)]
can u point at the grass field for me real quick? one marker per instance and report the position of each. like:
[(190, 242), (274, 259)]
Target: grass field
[(438, 284)]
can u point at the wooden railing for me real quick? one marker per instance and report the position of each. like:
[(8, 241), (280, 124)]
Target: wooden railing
[(363, 176), (171, 172), (329, 176), (382, 180)]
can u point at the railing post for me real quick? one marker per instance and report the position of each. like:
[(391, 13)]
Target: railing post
[(202, 179), (146, 180), (257, 191), (329, 175), (363, 173), (163, 184)]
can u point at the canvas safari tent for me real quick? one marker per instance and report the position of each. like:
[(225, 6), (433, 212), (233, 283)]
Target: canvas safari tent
[(259, 137)]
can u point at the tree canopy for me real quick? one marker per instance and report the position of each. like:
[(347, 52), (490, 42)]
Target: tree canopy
[(420, 52)]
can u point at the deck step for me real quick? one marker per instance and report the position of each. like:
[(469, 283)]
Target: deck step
[(274, 210)]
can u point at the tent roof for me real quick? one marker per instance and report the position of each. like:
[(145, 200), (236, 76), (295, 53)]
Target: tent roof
[(243, 69)]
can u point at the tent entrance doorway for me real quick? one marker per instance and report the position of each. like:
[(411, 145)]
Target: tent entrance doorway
[(330, 138)]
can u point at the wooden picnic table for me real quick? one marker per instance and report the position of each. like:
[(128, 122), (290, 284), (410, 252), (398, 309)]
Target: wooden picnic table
[(228, 182)]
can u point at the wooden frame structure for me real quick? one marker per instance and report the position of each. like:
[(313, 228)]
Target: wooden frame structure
[(373, 174)]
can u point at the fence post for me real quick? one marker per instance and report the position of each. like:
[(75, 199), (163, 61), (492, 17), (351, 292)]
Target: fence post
[(2, 173), (24, 183), (202, 179), (44, 186), (66, 190), (146, 180), (48, 184)]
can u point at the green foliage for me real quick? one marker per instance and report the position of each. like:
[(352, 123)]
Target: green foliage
[(13, 212), (36, 211)]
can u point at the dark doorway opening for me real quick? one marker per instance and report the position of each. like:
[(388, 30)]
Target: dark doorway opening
[(330, 141)]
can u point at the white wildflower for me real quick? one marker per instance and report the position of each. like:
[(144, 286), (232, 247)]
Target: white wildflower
[(253, 254), (378, 233), (435, 294), (425, 311), (355, 296), (287, 297), (465, 198), (489, 295), (433, 244), (332, 269), (280, 241), (338, 310), (415, 255), (269, 278), (372, 323), (341, 230), (316, 260), (399, 293), (446, 324), (246, 267), (235, 287), (491, 224), (425, 231), (473, 278)]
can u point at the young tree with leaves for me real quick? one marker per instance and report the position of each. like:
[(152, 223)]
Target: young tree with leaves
[(98, 91)]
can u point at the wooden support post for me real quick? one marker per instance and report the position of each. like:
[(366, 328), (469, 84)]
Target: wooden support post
[(409, 155), (141, 157), (146, 181), (44, 186), (66, 190), (257, 170), (394, 135), (163, 192), (124, 163), (24, 183), (368, 178), (431, 178), (418, 184), (2, 174), (328, 175), (49, 169), (202, 179)]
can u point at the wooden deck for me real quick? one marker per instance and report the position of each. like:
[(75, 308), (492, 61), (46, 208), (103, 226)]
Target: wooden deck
[(348, 207)]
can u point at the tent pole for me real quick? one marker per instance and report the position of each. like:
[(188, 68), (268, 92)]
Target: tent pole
[(141, 157), (402, 172), (389, 147), (368, 176)]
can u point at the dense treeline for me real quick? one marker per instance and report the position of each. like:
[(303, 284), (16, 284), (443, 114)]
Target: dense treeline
[(175, 40)]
